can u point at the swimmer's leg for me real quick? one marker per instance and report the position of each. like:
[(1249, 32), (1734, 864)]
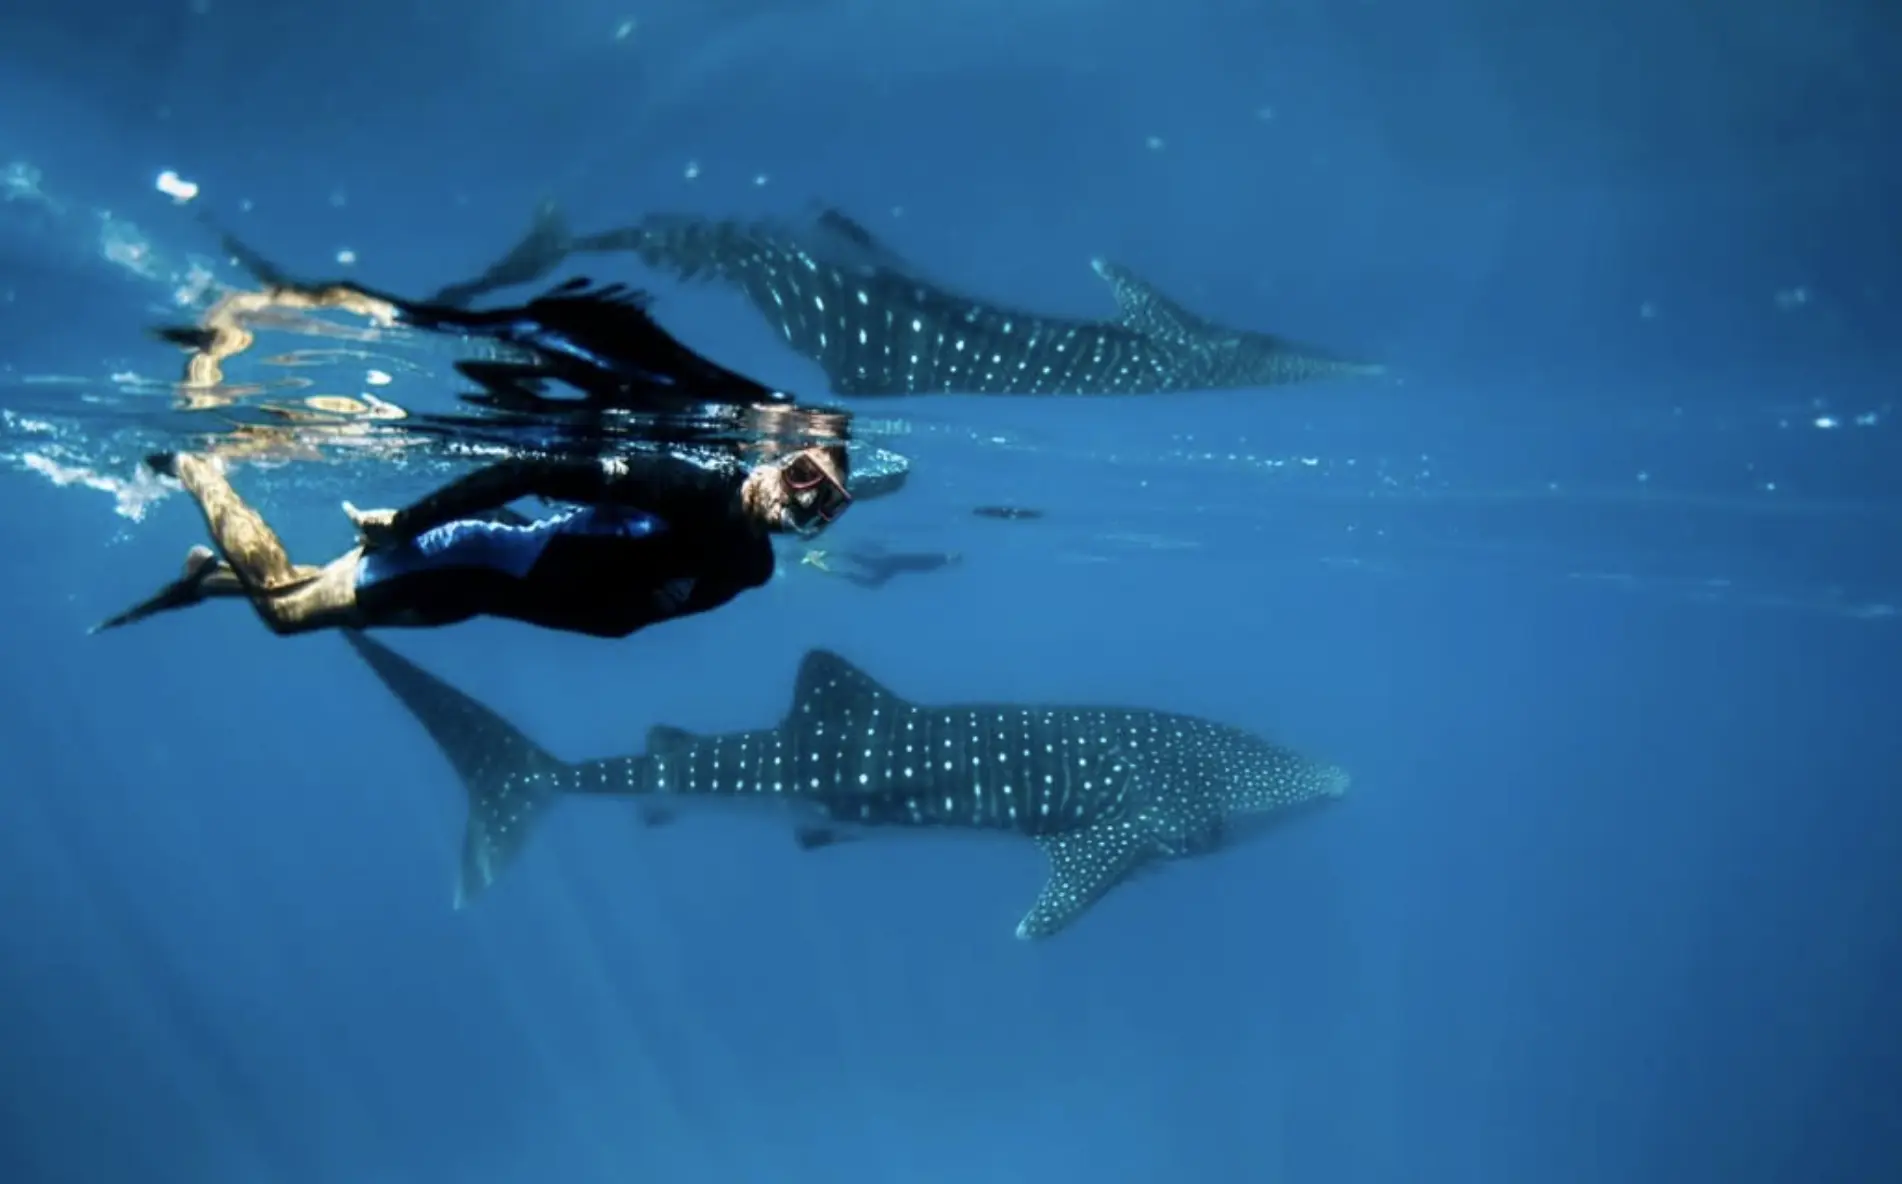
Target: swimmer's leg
[(206, 577), (290, 598)]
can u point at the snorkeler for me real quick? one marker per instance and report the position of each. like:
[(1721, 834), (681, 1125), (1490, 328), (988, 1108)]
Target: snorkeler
[(870, 565), (644, 539)]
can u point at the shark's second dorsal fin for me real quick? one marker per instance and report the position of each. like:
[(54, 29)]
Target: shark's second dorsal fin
[(831, 687), (1142, 307)]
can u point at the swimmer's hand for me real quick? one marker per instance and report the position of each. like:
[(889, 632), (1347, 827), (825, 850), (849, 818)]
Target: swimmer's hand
[(375, 528)]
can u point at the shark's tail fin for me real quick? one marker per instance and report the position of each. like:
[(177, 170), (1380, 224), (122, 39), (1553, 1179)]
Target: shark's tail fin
[(508, 777)]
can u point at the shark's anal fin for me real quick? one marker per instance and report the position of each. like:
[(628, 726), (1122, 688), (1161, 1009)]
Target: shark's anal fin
[(510, 780), (652, 815), (662, 738), (813, 838), (1084, 864)]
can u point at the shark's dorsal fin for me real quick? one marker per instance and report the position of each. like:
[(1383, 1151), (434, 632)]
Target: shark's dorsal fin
[(1084, 864), (1141, 306), (505, 774), (830, 686), (866, 247)]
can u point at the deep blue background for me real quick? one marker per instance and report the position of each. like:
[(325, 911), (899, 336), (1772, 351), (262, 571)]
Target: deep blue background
[(1613, 899)]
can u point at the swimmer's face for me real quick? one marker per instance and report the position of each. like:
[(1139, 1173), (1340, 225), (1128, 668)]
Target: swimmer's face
[(810, 491)]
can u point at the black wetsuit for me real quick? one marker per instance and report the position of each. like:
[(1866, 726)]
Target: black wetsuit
[(646, 539)]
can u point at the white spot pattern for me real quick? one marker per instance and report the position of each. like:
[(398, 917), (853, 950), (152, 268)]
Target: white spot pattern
[(876, 329), (1104, 790)]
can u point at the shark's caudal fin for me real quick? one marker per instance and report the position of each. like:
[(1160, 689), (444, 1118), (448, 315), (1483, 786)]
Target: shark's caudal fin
[(506, 775)]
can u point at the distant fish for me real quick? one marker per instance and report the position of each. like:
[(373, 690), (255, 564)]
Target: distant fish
[(1105, 792), (1008, 513), (872, 565)]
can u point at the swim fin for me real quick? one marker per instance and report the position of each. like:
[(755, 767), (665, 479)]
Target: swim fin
[(188, 589)]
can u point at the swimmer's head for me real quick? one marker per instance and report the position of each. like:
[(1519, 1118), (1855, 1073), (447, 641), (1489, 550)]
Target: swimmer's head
[(802, 493)]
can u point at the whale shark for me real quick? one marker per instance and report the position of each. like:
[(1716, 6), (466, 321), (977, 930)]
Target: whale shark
[(877, 325), (1107, 793)]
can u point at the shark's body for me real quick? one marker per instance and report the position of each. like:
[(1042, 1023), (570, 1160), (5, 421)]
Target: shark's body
[(876, 326), (1105, 792)]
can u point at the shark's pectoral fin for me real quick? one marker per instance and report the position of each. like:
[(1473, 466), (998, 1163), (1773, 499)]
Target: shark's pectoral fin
[(1084, 864)]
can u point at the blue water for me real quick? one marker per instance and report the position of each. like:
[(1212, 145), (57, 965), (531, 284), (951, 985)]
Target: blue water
[(1595, 596)]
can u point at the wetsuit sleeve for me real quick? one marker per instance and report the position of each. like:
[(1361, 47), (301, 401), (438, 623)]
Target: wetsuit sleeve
[(677, 490)]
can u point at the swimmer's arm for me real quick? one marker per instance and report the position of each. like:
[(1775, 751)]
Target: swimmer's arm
[(689, 497), (654, 483), (486, 489)]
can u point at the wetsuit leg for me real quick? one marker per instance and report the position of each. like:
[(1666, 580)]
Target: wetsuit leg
[(288, 597), (475, 566)]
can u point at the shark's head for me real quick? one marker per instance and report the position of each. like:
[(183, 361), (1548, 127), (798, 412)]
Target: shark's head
[(1265, 780)]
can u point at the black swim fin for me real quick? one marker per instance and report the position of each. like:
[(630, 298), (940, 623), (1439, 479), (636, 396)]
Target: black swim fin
[(188, 589)]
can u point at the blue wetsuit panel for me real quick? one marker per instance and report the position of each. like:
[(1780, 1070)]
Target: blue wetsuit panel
[(498, 546)]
